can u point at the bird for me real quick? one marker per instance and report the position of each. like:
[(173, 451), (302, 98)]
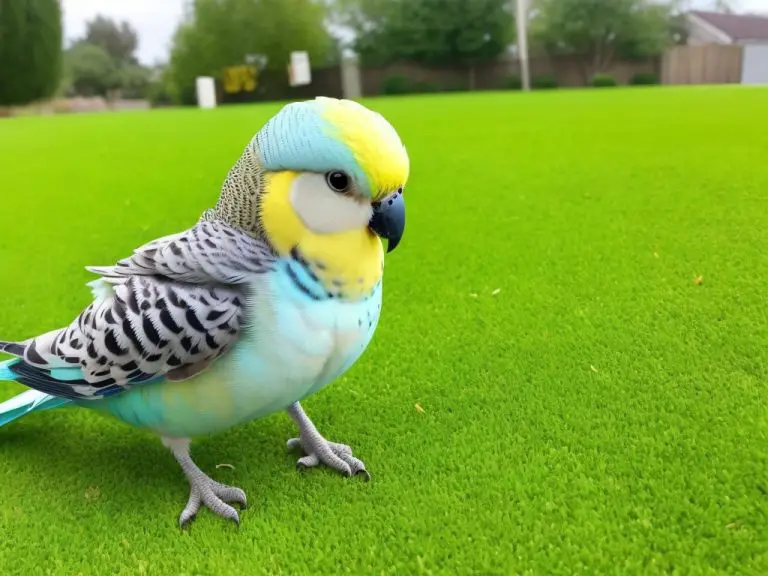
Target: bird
[(271, 294)]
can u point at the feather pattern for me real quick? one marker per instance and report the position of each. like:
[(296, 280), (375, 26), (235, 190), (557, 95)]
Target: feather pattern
[(150, 327), (210, 251), (166, 312)]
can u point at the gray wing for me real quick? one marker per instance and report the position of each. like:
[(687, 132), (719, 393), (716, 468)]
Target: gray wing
[(167, 312), (211, 251)]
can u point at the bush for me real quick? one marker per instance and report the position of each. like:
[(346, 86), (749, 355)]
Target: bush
[(422, 87), (603, 81), (396, 85), (544, 82), (644, 79), (512, 83), (159, 94), (456, 87)]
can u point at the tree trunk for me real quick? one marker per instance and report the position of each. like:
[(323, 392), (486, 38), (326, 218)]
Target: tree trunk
[(471, 76)]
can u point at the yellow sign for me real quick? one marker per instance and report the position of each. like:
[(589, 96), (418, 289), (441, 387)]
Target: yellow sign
[(240, 79)]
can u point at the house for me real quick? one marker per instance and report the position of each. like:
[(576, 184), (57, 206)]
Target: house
[(720, 28), (747, 33)]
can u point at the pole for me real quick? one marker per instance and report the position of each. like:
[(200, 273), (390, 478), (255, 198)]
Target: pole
[(521, 17)]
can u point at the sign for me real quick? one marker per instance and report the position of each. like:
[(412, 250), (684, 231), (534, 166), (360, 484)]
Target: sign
[(299, 71), (240, 79), (206, 92)]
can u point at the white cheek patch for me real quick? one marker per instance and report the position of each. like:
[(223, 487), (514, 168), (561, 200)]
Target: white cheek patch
[(325, 211)]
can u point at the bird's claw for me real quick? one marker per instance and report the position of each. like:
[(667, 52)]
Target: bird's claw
[(214, 496), (336, 456)]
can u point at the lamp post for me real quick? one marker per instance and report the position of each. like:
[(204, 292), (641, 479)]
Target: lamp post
[(521, 18)]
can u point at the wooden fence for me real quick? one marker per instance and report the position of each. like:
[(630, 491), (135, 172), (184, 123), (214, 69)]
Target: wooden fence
[(702, 64), (569, 72)]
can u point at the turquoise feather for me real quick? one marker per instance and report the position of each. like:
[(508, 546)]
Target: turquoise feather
[(269, 368), (27, 402)]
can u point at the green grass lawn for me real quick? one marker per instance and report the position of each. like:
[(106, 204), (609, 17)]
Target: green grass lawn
[(587, 406)]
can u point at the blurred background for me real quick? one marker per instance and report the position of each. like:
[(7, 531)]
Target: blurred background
[(86, 55)]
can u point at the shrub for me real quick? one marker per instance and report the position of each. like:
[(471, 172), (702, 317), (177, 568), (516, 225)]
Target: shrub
[(396, 85), (422, 87), (644, 79), (456, 87), (603, 81), (158, 95), (544, 82), (512, 83)]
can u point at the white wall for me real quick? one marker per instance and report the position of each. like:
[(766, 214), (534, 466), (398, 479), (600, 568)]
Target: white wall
[(702, 32), (754, 67)]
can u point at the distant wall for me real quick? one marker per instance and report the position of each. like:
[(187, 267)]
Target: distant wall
[(570, 71), (702, 64), (492, 75)]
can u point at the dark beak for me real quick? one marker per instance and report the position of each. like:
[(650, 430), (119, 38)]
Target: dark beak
[(388, 220)]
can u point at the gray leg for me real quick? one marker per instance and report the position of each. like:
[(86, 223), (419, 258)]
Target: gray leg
[(204, 491), (318, 449)]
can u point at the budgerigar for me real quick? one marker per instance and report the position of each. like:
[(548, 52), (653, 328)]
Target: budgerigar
[(273, 294)]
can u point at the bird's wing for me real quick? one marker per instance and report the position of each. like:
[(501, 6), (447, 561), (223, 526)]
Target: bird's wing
[(210, 251), (167, 312)]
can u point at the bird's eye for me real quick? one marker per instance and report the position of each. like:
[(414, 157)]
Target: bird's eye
[(338, 181)]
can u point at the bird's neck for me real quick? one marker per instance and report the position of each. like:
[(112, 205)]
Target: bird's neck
[(347, 264), (349, 268)]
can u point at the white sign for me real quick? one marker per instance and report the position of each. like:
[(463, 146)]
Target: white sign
[(206, 92), (299, 71)]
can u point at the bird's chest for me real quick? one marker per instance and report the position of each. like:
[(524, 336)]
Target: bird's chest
[(299, 341)]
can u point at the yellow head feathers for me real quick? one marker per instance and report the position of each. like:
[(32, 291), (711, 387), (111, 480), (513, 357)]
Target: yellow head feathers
[(322, 182), (373, 142), (329, 134)]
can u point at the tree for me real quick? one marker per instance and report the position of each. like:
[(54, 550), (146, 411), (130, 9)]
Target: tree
[(598, 31), (91, 70), (429, 32), (119, 40), (134, 80), (103, 61), (30, 50), (224, 33)]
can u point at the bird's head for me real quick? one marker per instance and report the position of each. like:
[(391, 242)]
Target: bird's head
[(322, 181)]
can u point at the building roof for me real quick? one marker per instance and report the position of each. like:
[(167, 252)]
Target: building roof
[(736, 26)]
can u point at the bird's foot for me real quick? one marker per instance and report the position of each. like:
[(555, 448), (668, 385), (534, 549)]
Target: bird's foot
[(204, 491), (336, 456), (318, 450)]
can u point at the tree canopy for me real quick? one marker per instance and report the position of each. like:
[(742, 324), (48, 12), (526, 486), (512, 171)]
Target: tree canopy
[(224, 33), (91, 70), (119, 40), (598, 31), (429, 32), (30, 50), (104, 59)]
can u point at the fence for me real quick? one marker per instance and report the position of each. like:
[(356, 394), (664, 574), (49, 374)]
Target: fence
[(703, 64), (241, 84), (567, 71)]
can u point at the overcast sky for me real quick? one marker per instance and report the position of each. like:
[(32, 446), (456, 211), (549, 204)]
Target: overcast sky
[(155, 20)]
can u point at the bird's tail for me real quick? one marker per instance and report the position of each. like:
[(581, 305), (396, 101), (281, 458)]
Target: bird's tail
[(26, 402)]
